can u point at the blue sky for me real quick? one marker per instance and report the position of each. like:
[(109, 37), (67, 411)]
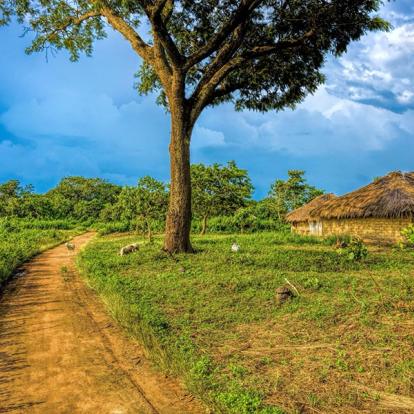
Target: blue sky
[(59, 118)]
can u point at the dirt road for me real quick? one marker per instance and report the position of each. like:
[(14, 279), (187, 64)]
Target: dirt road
[(61, 353)]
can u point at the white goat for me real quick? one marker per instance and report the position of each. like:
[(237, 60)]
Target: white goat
[(131, 248), (235, 247), (70, 246)]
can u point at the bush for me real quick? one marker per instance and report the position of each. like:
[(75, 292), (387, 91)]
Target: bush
[(113, 227), (16, 225), (355, 251), (341, 240), (240, 223), (408, 235), (138, 226), (20, 240)]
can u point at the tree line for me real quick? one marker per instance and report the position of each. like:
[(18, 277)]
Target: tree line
[(218, 191)]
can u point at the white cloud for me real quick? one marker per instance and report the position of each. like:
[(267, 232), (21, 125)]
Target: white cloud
[(204, 137), (406, 97), (323, 124), (377, 69)]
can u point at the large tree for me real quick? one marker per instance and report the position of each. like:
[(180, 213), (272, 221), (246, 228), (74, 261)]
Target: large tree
[(258, 54)]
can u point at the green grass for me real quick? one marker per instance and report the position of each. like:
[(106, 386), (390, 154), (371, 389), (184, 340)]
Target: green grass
[(20, 240), (212, 319)]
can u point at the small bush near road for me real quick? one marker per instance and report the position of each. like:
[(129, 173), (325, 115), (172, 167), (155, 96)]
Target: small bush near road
[(20, 240)]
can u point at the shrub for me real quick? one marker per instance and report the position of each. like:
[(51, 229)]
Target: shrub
[(408, 235), (21, 239), (355, 251), (245, 219), (337, 240), (138, 226), (114, 227), (15, 224), (234, 224)]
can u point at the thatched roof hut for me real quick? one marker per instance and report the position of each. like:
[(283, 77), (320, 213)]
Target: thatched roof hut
[(388, 197), (376, 213), (302, 214)]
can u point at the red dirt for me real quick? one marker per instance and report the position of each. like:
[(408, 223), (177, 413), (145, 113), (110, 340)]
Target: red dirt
[(60, 352)]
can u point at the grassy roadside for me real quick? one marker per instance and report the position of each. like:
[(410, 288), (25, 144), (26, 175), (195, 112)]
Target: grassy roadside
[(343, 345), (21, 240)]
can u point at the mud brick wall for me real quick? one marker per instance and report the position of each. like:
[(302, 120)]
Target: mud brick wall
[(301, 228), (370, 229)]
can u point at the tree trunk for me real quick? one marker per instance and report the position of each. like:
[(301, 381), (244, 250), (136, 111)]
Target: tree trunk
[(204, 226), (149, 231), (178, 225)]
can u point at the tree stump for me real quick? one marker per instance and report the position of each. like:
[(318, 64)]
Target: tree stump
[(283, 294)]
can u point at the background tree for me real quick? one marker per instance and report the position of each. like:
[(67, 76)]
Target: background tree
[(258, 54), (12, 193), (82, 198), (292, 193), (35, 206), (218, 190), (147, 202)]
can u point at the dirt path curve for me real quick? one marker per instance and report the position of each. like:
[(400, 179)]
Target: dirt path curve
[(61, 353)]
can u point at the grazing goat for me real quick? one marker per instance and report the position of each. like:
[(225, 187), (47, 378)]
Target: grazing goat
[(235, 247), (70, 246), (129, 249)]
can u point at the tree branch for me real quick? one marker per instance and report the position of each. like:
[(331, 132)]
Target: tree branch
[(161, 64), (264, 50), (159, 5), (204, 93), (73, 21), (227, 51), (226, 89), (154, 13), (167, 42), (239, 16), (222, 91), (120, 25), (163, 52), (84, 17)]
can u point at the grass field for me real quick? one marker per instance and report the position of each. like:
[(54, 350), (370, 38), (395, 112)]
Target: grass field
[(344, 345), (20, 240)]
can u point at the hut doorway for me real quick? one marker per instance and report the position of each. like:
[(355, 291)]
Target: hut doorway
[(315, 228)]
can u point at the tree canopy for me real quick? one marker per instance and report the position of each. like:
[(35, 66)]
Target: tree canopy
[(82, 198), (292, 193), (219, 190), (260, 54), (144, 204)]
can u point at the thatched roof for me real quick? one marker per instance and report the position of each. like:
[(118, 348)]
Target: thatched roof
[(391, 196), (303, 213)]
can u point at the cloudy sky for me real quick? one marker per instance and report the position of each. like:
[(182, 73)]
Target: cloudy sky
[(59, 118)]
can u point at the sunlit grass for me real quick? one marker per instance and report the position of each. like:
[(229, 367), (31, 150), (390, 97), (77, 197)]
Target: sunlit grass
[(212, 319)]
